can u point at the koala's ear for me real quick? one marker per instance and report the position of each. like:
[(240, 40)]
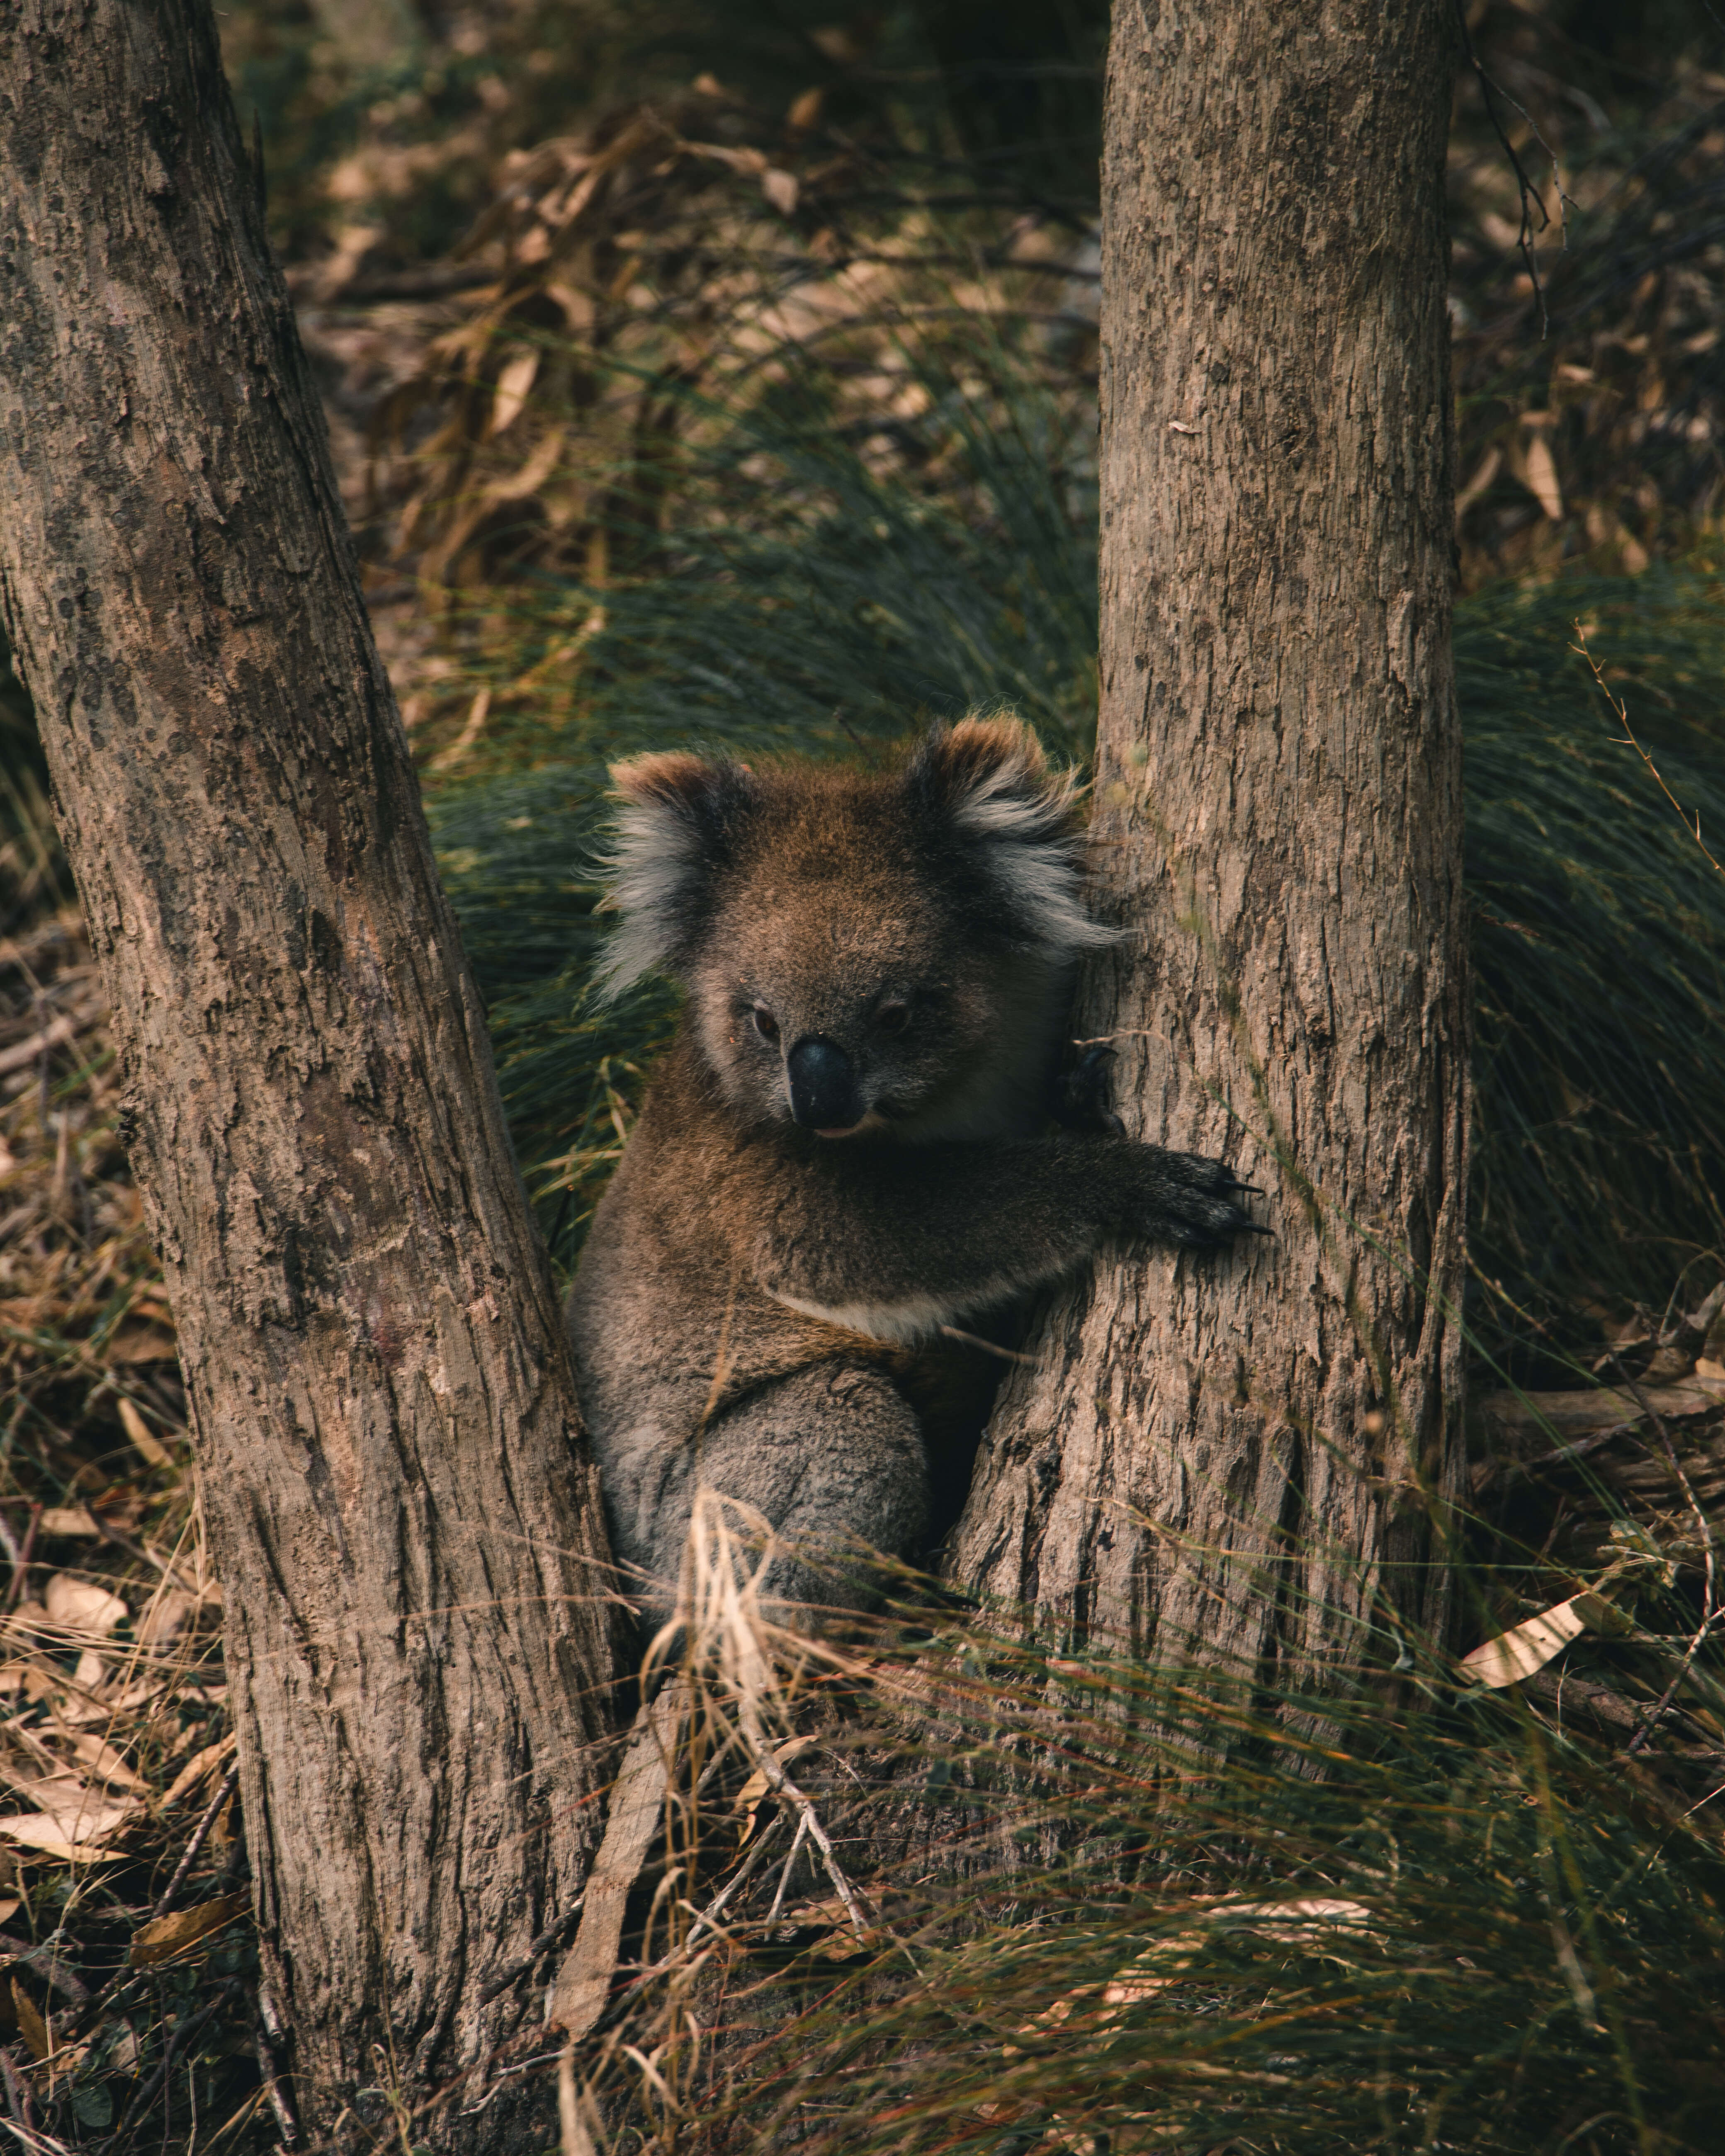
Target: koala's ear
[(675, 830), (987, 786)]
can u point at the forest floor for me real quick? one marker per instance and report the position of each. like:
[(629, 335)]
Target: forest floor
[(1592, 1562), (129, 1970)]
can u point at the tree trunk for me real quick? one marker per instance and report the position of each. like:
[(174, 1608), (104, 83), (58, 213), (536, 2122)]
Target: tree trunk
[(380, 1390), (1241, 1454)]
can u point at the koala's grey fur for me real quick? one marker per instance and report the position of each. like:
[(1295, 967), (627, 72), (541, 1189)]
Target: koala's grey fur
[(847, 1151)]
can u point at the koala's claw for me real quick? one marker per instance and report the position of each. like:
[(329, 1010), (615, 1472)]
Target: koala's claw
[(1199, 1207)]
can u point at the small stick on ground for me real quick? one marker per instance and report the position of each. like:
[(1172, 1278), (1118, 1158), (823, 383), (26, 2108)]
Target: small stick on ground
[(785, 1877), (272, 2086), (786, 1790), (200, 1834), (552, 1935)]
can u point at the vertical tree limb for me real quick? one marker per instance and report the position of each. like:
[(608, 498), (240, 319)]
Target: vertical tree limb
[(1239, 1456), (409, 1541)]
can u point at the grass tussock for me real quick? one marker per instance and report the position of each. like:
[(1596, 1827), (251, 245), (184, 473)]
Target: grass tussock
[(1429, 1914), (1044, 1914), (1076, 1927), (826, 592)]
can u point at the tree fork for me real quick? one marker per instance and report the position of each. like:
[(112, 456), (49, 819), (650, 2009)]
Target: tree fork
[(1244, 1456), (406, 1527)]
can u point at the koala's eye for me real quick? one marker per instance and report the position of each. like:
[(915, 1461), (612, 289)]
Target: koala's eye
[(765, 1023), (892, 1017)]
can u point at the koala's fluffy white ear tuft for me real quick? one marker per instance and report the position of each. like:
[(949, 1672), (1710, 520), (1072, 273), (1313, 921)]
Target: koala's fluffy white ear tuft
[(990, 780), (674, 832)]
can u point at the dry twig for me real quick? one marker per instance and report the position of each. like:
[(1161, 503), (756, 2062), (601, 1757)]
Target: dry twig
[(1621, 710), (200, 1834)]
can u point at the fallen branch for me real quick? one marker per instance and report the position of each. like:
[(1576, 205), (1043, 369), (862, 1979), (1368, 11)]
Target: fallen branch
[(200, 1834), (553, 1935), (583, 1982), (273, 2089)]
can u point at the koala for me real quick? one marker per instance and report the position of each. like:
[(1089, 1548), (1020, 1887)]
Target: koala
[(847, 1157)]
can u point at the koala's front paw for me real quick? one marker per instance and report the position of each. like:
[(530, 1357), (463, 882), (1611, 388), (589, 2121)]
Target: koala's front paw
[(1194, 1202)]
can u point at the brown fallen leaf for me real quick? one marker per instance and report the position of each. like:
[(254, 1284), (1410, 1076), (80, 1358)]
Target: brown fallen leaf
[(1540, 476), (749, 1796), (583, 1981), (75, 1707), (69, 1520), (97, 1757), (71, 1818), (43, 1831), (196, 1768), (1292, 1923), (79, 1605), (514, 381), (51, 1784), (143, 1441), (90, 1672), (1300, 1923), (139, 1343), (165, 1619), (1529, 1645), (164, 1937), (845, 1943), (31, 2025)]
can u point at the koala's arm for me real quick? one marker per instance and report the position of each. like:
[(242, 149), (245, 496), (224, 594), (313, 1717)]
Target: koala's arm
[(897, 1240)]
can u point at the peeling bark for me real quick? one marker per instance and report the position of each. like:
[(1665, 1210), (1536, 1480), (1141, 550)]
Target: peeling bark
[(408, 1540), (1237, 1454)]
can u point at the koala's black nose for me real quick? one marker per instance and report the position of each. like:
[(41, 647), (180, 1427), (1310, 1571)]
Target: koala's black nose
[(824, 1095)]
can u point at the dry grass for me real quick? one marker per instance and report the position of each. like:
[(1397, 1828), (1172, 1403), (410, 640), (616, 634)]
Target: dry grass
[(1492, 1923), (746, 1982), (114, 1730)]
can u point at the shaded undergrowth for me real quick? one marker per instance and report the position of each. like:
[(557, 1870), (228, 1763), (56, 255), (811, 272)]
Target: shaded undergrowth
[(826, 599), (1078, 1932), (1424, 1915)]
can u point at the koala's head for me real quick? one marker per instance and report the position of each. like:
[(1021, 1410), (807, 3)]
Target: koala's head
[(861, 952)]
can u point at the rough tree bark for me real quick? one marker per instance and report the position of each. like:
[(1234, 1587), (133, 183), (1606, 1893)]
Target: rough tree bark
[(1237, 1454), (379, 1386)]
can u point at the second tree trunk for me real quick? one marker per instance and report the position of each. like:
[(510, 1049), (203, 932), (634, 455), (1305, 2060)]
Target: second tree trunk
[(1238, 1454)]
